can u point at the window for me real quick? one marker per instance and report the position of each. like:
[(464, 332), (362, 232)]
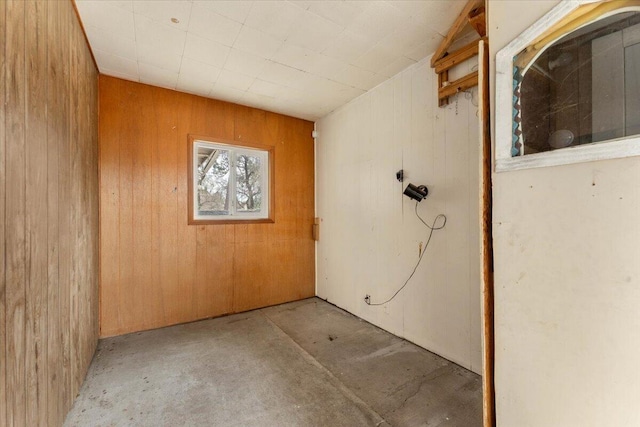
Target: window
[(568, 89), (230, 183)]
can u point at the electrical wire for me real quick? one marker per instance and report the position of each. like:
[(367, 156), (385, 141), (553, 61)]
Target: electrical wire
[(432, 228)]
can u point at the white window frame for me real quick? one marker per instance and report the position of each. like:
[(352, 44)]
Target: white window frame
[(235, 149), (602, 150)]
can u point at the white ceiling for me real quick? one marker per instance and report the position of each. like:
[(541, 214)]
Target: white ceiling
[(300, 58)]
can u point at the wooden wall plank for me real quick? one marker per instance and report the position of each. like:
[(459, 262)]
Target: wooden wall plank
[(165, 208), (3, 337), (204, 270), (75, 177), (36, 212), (141, 213), (93, 192), (220, 261), (155, 217), (54, 135), (129, 308), (64, 202), (86, 254), (48, 211), (186, 234), (200, 290), (109, 208), (15, 212)]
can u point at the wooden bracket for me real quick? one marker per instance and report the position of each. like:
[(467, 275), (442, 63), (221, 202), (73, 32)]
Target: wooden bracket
[(460, 55), (455, 29), (478, 21), (316, 229), (463, 83), (473, 14)]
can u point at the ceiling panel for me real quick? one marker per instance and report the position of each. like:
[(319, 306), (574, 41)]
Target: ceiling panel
[(163, 11), (302, 58), (207, 51), (235, 80), (156, 76)]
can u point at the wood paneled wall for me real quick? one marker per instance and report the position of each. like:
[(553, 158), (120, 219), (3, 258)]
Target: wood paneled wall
[(48, 211), (156, 270)]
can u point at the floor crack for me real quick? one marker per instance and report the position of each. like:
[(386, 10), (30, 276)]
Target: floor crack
[(335, 380)]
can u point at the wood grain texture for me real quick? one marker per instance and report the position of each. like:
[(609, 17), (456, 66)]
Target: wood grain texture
[(158, 270), (457, 57), (35, 209), (73, 212), (457, 25), (48, 211), (64, 202), (3, 310), (488, 384), (54, 132), (16, 258), (456, 86)]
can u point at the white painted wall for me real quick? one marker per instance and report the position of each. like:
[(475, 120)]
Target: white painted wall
[(370, 235), (567, 281)]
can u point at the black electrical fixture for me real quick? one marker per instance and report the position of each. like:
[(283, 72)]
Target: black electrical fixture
[(400, 175), (416, 193)]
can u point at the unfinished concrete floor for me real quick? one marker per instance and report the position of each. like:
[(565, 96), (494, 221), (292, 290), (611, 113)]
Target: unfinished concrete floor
[(305, 363)]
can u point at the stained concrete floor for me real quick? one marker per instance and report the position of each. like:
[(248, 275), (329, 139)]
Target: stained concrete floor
[(305, 363)]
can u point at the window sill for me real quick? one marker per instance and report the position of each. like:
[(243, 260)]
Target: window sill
[(605, 150), (231, 221)]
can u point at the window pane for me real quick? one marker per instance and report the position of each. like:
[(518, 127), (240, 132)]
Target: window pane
[(582, 89), (213, 181), (248, 182)]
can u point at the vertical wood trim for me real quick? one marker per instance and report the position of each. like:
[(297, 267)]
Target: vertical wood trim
[(443, 77), (89, 207), (486, 242), (3, 311), (190, 189), (36, 211), (15, 212), (91, 76)]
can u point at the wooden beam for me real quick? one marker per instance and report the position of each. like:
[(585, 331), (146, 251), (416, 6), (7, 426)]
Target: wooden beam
[(488, 383), (458, 56), (463, 83), (458, 24), (478, 22), (443, 78)]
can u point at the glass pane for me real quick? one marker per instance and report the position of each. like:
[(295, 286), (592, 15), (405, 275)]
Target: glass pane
[(248, 182), (582, 89), (213, 181)]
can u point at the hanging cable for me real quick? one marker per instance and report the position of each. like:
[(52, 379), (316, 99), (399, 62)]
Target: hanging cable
[(432, 228)]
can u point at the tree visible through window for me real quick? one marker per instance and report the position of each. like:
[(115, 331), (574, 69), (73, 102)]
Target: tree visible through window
[(248, 183), (229, 182)]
